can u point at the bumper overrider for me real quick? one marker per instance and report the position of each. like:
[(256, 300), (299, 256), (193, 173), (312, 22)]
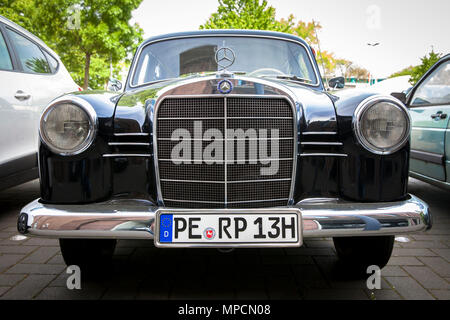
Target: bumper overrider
[(136, 219)]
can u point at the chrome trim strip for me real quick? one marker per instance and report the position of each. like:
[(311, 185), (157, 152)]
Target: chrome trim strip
[(427, 156), (225, 182), (307, 133), (231, 161), (317, 200), (225, 157), (322, 143), (285, 118), (128, 144), (261, 180), (139, 51), (193, 118), (221, 118), (112, 155), (438, 183), (230, 202), (131, 134), (237, 139), (195, 201), (429, 129), (194, 181), (294, 128), (135, 219), (323, 155)]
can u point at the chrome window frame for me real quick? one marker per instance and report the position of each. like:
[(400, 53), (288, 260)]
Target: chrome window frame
[(224, 96), (139, 52)]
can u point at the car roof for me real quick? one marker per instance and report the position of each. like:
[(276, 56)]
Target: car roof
[(229, 32), (28, 34)]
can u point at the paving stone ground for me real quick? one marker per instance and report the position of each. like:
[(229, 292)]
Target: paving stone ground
[(32, 268)]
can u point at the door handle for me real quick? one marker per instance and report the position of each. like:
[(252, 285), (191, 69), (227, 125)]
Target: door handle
[(20, 95), (439, 115)]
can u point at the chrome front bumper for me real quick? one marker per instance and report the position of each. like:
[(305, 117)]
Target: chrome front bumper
[(134, 219)]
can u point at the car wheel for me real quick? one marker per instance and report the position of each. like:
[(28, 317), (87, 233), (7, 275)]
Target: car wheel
[(357, 253), (91, 255)]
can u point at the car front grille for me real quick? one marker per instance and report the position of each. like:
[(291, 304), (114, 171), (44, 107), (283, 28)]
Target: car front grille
[(234, 179)]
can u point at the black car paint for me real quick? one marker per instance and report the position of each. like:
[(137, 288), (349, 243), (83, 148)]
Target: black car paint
[(91, 177)]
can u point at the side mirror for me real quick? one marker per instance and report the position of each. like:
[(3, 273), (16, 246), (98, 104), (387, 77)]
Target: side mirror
[(114, 85), (400, 96), (337, 83)]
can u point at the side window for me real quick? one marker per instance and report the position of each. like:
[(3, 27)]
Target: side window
[(435, 89), (30, 55), (52, 61), (5, 59)]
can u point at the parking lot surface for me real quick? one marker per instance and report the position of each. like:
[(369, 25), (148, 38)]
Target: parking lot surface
[(32, 268)]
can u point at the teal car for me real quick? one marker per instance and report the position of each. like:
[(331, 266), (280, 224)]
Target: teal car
[(429, 106)]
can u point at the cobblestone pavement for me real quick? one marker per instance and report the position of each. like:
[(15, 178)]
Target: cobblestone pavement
[(32, 268)]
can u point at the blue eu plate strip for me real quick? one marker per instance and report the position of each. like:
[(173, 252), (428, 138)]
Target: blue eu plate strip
[(165, 227)]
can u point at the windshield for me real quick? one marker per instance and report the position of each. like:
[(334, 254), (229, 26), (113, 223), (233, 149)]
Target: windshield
[(263, 57)]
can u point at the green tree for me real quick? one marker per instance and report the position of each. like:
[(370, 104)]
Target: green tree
[(19, 11), (404, 72), (86, 34), (92, 28), (244, 14), (256, 14), (427, 63), (305, 30), (357, 72)]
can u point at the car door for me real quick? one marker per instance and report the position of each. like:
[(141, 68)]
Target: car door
[(429, 105), (36, 73), (16, 115)]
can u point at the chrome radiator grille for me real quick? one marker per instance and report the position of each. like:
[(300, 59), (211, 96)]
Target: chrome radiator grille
[(234, 179)]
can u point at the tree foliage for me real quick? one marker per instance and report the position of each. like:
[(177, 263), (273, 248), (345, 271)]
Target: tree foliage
[(257, 14), (244, 14), (87, 34), (19, 11), (357, 72), (427, 63), (404, 72)]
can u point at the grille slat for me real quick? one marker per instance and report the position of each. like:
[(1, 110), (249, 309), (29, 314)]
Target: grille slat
[(241, 123)]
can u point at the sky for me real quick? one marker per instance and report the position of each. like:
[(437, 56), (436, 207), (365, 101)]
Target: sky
[(406, 30)]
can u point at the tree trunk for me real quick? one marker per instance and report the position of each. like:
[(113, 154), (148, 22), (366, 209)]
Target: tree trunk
[(87, 63)]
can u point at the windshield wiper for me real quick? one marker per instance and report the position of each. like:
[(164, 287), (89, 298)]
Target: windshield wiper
[(289, 77), (208, 73)]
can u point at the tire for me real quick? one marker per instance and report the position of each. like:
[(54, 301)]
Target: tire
[(91, 255), (358, 253)]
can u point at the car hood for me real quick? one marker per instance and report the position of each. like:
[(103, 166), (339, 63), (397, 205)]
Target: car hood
[(314, 107)]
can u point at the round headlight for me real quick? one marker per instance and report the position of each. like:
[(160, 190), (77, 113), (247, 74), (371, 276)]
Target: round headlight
[(68, 126), (382, 124)]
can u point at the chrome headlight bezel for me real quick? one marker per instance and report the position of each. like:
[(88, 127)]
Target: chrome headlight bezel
[(364, 106), (93, 124)]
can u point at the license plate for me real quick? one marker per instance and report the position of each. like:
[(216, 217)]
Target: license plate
[(228, 229)]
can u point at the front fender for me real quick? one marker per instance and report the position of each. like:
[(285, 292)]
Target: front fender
[(363, 175), (85, 177)]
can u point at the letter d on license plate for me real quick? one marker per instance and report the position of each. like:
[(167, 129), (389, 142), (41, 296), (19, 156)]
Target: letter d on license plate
[(228, 228)]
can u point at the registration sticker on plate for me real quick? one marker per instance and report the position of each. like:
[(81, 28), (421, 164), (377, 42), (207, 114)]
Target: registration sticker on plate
[(228, 228)]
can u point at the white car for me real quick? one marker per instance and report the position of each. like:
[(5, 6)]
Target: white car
[(31, 75)]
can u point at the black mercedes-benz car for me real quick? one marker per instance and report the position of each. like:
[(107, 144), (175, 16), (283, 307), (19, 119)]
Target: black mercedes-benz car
[(227, 139)]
